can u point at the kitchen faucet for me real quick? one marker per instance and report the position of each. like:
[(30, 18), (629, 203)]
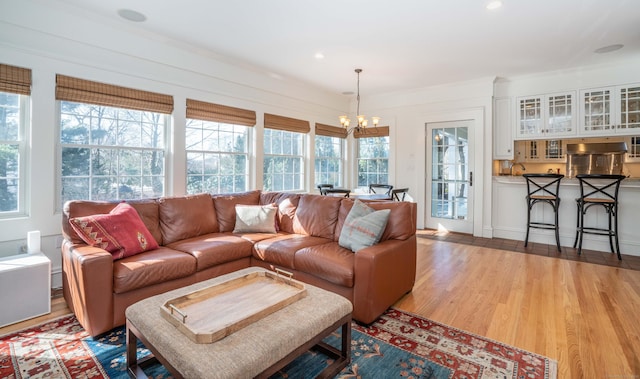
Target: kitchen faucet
[(513, 164)]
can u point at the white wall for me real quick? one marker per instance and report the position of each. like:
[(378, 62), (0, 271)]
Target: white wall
[(407, 114)]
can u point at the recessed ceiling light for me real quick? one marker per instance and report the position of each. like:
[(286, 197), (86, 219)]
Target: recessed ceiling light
[(608, 49), (319, 55), (131, 15), (495, 4)]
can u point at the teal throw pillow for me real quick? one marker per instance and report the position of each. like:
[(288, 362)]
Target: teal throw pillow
[(363, 226)]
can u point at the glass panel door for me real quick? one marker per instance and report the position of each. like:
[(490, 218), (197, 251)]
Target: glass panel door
[(597, 110), (560, 114), (630, 108), (451, 176)]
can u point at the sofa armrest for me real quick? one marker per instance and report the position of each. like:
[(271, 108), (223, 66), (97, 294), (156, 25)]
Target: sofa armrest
[(87, 281), (383, 274)]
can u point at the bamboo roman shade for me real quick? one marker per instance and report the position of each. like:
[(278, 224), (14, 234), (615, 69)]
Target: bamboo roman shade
[(380, 131), (273, 121), (15, 79), (330, 131), (86, 91), (200, 110)]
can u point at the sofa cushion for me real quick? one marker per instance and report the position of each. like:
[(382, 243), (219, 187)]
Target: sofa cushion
[(147, 210), (287, 203), (184, 217), (214, 249), (121, 231), (328, 261), (317, 215), (225, 206), (255, 219), (401, 224), (363, 226), (280, 250), (151, 267)]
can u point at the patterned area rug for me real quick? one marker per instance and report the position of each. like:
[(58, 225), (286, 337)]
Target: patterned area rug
[(397, 345)]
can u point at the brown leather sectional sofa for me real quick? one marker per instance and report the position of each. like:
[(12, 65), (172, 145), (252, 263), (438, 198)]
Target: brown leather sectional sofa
[(196, 243)]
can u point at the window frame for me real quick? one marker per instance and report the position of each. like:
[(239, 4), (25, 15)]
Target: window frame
[(60, 146), (246, 154), (24, 132), (359, 158), (340, 158), (301, 157)]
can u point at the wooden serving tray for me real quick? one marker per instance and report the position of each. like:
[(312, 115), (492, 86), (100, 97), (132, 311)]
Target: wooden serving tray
[(212, 313)]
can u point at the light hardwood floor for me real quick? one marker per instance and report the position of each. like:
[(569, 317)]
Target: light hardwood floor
[(585, 316)]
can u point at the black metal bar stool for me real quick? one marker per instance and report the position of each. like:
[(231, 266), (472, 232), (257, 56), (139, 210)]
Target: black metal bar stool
[(543, 188), (599, 189)]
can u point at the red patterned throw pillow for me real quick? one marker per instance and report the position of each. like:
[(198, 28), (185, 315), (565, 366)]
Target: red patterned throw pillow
[(121, 231)]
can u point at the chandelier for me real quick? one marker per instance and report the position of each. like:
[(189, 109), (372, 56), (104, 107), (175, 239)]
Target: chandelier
[(362, 120)]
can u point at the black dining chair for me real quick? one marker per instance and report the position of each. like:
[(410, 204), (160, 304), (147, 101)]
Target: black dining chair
[(602, 190), (323, 187), (399, 194), (381, 189), (543, 189)]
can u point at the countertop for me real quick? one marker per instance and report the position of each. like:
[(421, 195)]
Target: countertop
[(519, 179)]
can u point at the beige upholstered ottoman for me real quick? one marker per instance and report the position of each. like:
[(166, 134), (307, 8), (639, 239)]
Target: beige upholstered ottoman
[(257, 350)]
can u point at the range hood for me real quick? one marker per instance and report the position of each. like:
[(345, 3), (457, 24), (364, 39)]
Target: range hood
[(595, 158), (597, 148)]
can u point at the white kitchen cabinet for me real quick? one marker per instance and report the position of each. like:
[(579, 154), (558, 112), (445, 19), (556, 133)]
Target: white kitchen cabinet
[(541, 151), (502, 129), (633, 149), (609, 110), (546, 116)]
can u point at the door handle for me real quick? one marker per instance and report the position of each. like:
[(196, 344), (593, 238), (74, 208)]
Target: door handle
[(471, 179)]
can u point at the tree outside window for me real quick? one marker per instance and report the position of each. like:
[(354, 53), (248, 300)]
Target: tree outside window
[(217, 157), (283, 160), (11, 152), (328, 160), (110, 153), (373, 161)]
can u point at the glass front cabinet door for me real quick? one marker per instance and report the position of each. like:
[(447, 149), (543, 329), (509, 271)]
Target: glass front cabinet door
[(546, 116), (610, 110)]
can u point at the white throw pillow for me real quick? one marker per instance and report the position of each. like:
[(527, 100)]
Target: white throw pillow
[(255, 219)]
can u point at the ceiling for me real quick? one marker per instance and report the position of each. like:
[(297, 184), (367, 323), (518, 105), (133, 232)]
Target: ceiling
[(399, 44)]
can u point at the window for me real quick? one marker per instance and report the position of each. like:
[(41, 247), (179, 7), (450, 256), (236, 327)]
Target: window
[(110, 153), (328, 163), (112, 141), (217, 147), (283, 160), (329, 150), (13, 121), (284, 152), (373, 157), (15, 89), (217, 157)]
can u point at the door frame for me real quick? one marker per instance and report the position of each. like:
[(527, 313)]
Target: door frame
[(480, 124), (461, 226)]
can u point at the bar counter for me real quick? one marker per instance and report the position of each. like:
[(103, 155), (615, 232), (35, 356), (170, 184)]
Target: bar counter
[(509, 215)]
